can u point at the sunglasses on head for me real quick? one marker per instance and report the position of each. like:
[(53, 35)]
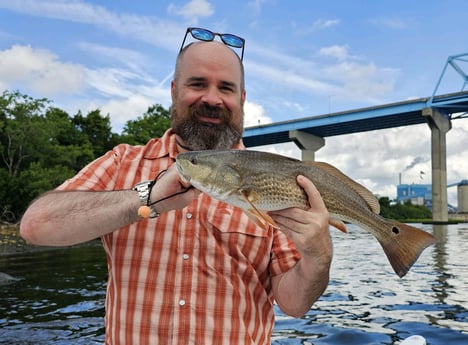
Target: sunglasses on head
[(208, 36)]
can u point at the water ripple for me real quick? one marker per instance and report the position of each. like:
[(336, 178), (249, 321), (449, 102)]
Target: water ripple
[(57, 297)]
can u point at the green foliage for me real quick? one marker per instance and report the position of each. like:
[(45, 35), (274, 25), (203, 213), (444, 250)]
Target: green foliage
[(21, 128), (152, 124), (403, 211), (42, 146), (96, 130), (41, 179)]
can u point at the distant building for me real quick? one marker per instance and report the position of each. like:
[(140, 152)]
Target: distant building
[(421, 194), (417, 194)]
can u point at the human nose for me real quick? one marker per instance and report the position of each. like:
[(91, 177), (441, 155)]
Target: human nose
[(212, 97)]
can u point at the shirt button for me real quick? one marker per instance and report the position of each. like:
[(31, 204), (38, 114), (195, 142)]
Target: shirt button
[(182, 302), (189, 216), (185, 256)]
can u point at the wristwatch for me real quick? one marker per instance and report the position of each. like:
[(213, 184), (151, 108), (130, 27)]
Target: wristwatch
[(144, 189)]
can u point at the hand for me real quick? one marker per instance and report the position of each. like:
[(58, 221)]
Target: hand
[(308, 229), (168, 185)]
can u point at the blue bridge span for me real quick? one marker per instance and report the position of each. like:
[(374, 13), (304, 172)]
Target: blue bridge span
[(454, 105)]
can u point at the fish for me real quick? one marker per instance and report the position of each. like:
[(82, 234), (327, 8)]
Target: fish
[(259, 182)]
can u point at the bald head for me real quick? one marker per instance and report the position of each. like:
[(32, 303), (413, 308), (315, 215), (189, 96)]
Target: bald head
[(216, 53)]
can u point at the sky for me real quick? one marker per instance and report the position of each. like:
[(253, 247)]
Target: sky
[(302, 59)]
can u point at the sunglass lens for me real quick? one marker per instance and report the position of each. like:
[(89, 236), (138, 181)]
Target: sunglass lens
[(202, 34), (232, 40)]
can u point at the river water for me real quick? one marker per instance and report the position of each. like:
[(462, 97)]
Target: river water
[(57, 296)]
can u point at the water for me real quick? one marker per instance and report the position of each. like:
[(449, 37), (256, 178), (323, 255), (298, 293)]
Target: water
[(59, 295)]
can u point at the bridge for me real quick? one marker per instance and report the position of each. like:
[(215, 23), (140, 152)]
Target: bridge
[(437, 111)]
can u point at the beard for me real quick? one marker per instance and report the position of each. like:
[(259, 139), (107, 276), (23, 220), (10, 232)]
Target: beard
[(199, 135)]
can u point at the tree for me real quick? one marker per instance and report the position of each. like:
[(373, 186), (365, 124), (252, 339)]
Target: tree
[(403, 211), (41, 146), (97, 129), (20, 117), (152, 124)]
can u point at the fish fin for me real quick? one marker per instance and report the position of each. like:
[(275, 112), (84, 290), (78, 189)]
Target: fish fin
[(337, 223), (404, 245), (263, 220), (366, 194), (260, 218)]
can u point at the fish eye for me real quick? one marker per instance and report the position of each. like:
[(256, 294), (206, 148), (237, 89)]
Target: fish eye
[(193, 160)]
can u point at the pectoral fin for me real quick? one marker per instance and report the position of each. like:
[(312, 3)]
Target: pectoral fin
[(260, 218), (263, 220)]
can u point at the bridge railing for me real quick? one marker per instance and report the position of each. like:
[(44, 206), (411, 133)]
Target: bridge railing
[(454, 62)]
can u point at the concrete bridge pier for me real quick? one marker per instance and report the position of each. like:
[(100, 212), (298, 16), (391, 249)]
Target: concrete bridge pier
[(308, 143), (439, 125)]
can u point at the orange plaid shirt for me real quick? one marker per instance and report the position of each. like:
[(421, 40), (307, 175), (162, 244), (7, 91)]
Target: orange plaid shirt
[(200, 275)]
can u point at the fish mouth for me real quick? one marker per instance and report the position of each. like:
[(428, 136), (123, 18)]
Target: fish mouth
[(184, 177)]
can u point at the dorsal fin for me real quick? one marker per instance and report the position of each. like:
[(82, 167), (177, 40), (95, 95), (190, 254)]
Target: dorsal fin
[(366, 194)]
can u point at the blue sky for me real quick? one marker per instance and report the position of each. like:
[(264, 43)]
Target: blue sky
[(302, 58)]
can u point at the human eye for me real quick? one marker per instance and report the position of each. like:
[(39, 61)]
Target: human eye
[(227, 87), (196, 83)]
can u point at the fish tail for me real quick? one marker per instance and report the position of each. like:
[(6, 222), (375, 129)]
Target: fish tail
[(405, 245)]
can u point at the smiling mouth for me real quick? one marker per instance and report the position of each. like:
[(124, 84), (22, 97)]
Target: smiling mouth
[(210, 120)]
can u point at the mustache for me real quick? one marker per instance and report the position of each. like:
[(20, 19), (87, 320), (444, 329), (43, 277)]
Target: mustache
[(206, 110)]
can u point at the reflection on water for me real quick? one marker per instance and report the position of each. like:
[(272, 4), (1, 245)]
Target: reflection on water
[(59, 297)]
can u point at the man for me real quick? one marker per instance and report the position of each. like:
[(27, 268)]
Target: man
[(197, 271)]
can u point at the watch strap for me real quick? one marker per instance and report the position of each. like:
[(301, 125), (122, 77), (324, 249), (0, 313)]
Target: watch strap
[(144, 190)]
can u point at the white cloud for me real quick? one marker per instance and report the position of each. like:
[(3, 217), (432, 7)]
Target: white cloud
[(335, 51), (256, 4), (40, 71), (362, 81), (112, 55), (392, 22), (74, 10), (192, 10), (292, 76), (111, 82), (151, 30), (6, 36), (125, 109), (338, 74), (124, 93), (321, 24), (254, 115), (288, 149)]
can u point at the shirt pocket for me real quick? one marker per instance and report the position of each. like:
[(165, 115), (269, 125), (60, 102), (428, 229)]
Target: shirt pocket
[(238, 243)]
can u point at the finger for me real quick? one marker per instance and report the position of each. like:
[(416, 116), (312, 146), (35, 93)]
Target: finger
[(287, 215), (315, 199)]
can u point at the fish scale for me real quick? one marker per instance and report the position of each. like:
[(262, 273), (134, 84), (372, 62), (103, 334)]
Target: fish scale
[(259, 182)]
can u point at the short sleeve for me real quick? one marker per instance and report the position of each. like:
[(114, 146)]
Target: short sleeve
[(284, 254), (99, 175)]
